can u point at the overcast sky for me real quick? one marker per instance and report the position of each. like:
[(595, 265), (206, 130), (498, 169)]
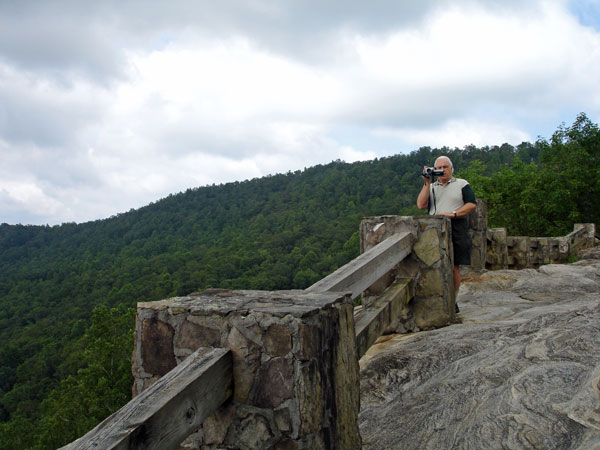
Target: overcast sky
[(110, 105)]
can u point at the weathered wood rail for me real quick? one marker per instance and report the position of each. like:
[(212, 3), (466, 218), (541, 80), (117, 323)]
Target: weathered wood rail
[(359, 274), (366, 269), (170, 410)]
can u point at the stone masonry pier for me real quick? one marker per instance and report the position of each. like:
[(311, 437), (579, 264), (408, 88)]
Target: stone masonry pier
[(295, 368), (428, 268)]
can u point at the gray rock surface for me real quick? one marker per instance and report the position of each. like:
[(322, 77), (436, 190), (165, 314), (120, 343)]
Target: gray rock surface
[(521, 371)]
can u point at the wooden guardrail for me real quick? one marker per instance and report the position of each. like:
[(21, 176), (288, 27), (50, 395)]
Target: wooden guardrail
[(170, 410), (367, 268), (371, 322), (163, 415), (359, 274)]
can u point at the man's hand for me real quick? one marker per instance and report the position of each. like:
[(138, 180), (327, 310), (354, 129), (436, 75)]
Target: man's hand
[(425, 179), (423, 198)]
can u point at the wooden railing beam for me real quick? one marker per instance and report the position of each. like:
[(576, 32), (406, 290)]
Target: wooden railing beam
[(360, 273), (370, 323), (170, 410)]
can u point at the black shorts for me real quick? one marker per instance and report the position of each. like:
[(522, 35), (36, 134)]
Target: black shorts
[(461, 241)]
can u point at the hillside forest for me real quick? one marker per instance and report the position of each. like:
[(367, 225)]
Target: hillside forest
[(68, 292)]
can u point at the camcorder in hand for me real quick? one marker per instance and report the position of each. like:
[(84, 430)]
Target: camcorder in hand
[(430, 172)]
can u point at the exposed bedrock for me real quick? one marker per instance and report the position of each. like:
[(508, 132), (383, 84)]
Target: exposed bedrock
[(521, 371)]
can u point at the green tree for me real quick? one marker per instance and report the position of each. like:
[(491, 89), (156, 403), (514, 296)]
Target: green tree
[(98, 389), (511, 194), (545, 200), (571, 179)]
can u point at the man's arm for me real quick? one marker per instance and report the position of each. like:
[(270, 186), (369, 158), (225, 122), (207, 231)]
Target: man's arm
[(466, 209), (423, 198), (470, 202)]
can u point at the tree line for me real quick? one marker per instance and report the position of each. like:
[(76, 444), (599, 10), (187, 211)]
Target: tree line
[(68, 292)]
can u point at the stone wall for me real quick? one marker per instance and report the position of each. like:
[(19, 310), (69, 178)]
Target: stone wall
[(429, 265), (493, 249), (521, 252), (295, 361), (295, 367)]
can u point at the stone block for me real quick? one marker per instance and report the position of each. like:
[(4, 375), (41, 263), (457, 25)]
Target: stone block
[(274, 383), (246, 362), (216, 426), (519, 251), (430, 283), (193, 336), (311, 397), (496, 256), (309, 341), (252, 431), (553, 250), (427, 248), (478, 219), (283, 419), (157, 346), (431, 312), (285, 444), (374, 234), (476, 261), (278, 340)]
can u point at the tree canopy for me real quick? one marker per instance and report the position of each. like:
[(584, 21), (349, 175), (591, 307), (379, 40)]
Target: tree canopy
[(547, 198)]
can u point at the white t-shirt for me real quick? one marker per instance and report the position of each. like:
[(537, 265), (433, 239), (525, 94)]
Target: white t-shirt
[(446, 197)]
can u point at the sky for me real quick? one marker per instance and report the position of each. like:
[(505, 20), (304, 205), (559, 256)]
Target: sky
[(106, 106)]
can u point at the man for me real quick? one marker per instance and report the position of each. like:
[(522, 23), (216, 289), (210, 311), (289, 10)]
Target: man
[(452, 197)]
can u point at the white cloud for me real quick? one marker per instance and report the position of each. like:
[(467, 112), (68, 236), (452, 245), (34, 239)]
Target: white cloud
[(166, 104), (27, 196), (463, 59), (459, 133)]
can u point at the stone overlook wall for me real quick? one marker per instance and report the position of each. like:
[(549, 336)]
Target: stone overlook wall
[(522, 252), (428, 268), (295, 368), (294, 353), (493, 249)]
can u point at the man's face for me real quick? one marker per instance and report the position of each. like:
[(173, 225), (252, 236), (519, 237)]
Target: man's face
[(444, 164)]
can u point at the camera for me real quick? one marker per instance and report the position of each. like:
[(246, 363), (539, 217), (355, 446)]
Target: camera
[(430, 172)]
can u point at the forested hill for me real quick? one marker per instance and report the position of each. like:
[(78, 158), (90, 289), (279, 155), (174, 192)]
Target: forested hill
[(277, 232)]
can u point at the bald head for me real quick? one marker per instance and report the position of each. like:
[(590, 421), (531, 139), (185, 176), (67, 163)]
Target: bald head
[(440, 161)]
